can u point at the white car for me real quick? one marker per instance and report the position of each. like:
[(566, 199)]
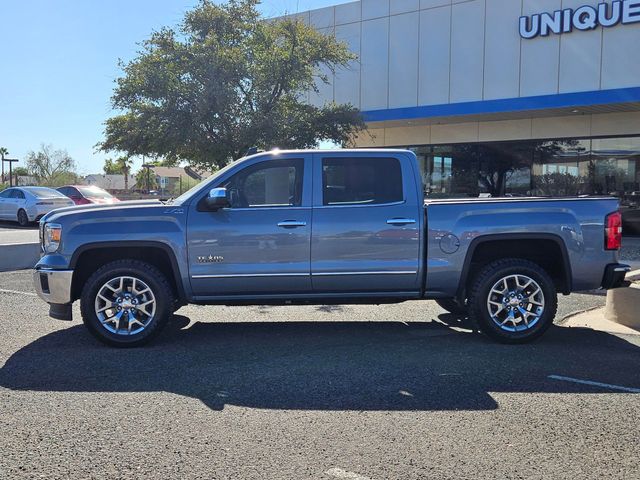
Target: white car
[(28, 204)]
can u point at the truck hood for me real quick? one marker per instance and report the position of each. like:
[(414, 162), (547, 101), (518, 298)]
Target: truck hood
[(117, 208)]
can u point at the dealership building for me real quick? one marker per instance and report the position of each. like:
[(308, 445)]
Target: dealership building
[(515, 97)]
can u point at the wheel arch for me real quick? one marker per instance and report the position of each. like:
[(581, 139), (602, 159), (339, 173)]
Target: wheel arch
[(91, 256), (487, 248)]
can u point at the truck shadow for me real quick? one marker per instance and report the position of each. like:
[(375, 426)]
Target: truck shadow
[(325, 365)]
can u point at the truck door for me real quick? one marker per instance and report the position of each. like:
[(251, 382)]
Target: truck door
[(366, 224), (261, 243)]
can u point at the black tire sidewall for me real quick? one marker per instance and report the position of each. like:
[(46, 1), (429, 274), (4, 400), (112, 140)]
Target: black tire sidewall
[(26, 218), (149, 275), (485, 281)]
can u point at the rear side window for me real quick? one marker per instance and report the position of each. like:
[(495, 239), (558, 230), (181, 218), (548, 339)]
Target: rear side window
[(17, 194), (43, 192), (355, 181)]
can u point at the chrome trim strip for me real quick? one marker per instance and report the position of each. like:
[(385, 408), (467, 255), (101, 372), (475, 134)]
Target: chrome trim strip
[(248, 275), (362, 205), (384, 272), (319, 274)]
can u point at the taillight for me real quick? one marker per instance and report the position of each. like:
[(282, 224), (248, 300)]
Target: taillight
[(613, 231)]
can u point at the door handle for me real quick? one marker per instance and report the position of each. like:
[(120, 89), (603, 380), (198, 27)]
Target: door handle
[(292, 224), (400, 221)]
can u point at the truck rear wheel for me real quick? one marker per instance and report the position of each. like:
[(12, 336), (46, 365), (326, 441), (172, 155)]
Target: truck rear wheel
[(126, 303), (513, 300)]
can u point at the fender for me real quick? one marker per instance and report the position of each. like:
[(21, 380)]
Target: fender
[(182, 296), (514, 236)]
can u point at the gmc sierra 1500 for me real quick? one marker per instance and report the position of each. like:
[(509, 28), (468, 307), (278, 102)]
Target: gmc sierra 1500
[(340, 226)]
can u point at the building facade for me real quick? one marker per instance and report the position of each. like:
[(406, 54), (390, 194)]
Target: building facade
[(496, 97)]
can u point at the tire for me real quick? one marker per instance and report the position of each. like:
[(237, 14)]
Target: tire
[(497, 307), (141, 303), (22, 217), (452, 306)]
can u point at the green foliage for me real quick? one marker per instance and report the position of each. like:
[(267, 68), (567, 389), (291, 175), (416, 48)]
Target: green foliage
[(146, 183), (121, 165), (20, 171), (51, 168), (224, 82)]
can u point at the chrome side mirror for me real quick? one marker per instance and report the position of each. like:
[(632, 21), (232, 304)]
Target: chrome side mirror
[(217, 198)]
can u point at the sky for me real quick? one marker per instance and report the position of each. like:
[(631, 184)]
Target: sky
[(59, 61)]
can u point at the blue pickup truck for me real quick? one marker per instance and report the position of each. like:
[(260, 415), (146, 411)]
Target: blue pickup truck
[(341, 226)]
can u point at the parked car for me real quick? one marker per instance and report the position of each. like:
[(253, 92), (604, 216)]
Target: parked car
[(29, 204), (86, 194), (300, 227)]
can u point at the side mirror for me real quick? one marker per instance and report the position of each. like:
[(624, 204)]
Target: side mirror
[(217, 199)]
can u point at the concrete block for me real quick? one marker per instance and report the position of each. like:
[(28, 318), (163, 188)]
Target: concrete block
[(623, 306), (19, 256)]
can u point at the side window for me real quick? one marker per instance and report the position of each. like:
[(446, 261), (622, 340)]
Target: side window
[(267, 184), (17, 194), (6, 193), (354, 181), (65, 191)]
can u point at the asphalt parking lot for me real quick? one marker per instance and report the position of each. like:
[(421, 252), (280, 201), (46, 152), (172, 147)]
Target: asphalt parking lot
[(402, 391)]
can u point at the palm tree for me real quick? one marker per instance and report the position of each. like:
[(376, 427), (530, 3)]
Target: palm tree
[(124, 165), (3, 152)]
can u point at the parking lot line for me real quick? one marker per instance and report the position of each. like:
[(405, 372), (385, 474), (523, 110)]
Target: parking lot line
[(340, 473), (595, 384), (16, 292)]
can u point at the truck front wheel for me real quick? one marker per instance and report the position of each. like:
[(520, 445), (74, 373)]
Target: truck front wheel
[(126, 303), (513, 300)]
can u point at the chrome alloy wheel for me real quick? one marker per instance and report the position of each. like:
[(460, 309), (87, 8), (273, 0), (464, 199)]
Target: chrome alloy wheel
[(125, 305), (516, 303)]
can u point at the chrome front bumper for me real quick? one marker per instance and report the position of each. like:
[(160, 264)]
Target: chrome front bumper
[(53, 286)]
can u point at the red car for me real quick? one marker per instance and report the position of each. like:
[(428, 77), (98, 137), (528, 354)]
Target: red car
[(86, 194)]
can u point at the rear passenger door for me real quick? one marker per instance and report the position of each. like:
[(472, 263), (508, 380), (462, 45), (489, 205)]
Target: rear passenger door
[(366, 235)]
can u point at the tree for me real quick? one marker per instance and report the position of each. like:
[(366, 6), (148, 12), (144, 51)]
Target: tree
[(146, 180), (226, 81), (121, 165), (3, 152), (51, 168)]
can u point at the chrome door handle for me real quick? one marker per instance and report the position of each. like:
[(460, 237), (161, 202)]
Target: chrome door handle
[(400, 221), (292, 224)]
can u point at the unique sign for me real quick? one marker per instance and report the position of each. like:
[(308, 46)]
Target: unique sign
[(582, 18)]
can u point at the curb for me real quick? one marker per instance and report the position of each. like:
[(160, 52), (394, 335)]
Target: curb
[(18, 256)]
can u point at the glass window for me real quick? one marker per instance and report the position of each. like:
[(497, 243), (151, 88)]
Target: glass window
[(6, 193), (361, 181), (17, 194), (44, 192), (267, 184), (92, 192)]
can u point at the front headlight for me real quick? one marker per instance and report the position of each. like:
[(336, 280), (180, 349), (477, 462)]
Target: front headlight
[(52, 236)]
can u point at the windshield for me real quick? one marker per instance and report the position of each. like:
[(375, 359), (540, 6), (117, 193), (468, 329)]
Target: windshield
[(42, 192), (94, 192)]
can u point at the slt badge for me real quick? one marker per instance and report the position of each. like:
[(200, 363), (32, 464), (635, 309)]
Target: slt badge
[(210, 259)]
